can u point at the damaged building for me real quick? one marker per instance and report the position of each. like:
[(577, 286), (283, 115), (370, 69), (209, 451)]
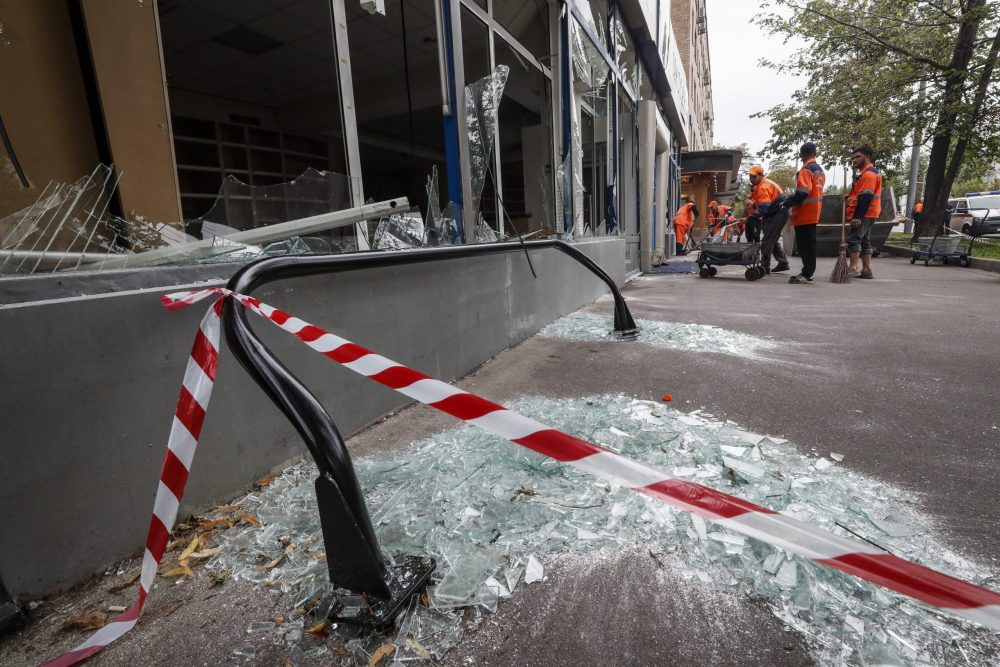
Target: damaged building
[(208, 109), (147, 136)]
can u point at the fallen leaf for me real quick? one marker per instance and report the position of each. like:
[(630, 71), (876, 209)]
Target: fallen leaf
[(85, 622), (206, 553), (215, 523), (205, 537), (179, 571), (288, 662), (318, 629), (189, 550), (264, 481), (274, 563), (339, 650), (181, 527), (125, 584), (173, 544), (381, 652), (228, 509), (249, 518), (278, 620), (221, 578)]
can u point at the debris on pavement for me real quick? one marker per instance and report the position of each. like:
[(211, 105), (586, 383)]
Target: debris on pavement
[(491, 512), (676, 335)]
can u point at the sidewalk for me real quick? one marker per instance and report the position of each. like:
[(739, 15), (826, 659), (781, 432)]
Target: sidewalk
[(897, 374)]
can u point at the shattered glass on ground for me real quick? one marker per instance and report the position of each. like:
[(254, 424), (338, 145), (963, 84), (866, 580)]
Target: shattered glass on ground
[(493, 513), (676, 335)]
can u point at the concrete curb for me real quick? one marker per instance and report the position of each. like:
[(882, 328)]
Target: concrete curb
[(981, 263)]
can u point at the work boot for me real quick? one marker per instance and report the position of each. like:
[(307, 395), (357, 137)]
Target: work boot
[(800, 280), (853, 273), (866, 273), (783, 266)]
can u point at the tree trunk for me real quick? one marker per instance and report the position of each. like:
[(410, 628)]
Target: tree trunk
[(982, 88), (935, 191)]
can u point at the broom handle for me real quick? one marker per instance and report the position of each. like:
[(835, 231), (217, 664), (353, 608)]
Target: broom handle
[(843, 221)]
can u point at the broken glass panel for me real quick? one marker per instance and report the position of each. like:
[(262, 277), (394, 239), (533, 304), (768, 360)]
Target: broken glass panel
[(494, 514), (440, 227), (482, 102), (399, 231), (69, 226)]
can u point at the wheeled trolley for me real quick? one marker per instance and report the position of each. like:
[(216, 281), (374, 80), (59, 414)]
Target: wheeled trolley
[(944, 248), (727, 254)]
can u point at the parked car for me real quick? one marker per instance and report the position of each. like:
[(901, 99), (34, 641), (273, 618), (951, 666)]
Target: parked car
[(977, 213)]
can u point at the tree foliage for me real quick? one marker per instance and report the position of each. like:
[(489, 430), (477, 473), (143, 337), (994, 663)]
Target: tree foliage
[(783, 174), (865, 60)]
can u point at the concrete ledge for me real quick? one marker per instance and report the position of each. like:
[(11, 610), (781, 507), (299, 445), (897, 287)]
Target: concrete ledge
[(90, 385), (981, 263)]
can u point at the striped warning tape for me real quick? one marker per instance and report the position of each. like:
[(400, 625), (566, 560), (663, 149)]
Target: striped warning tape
[(860, 560), (196, 390)]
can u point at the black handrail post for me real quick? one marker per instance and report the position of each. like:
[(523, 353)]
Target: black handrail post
[(354, 558)]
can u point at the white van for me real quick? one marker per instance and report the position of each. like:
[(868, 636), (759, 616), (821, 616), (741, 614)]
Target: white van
[(977, 213)]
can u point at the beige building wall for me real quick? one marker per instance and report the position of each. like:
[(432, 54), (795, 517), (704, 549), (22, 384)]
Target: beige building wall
[(128, 65), (690, 24), (43, 102)]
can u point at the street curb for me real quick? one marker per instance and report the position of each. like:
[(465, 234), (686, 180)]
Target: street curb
[(981, 263)]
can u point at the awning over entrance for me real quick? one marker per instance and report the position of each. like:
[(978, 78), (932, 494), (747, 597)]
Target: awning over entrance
[(707, 176)]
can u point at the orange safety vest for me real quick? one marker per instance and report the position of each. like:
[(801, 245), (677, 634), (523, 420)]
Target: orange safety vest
[(868, 183), (810, 180), (684, 221), (765, 192), (717, 222), (919, 207)]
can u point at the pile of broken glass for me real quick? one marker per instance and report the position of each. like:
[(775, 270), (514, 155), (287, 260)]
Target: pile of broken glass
[(494, 514)]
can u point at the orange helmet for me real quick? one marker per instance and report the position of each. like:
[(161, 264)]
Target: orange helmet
[(757, 169)]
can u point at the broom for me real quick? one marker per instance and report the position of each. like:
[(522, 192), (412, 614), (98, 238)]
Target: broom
[(840, 273)]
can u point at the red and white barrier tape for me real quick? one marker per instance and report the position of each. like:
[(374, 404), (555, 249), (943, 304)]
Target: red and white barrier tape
[(196, 390), (860, 560)]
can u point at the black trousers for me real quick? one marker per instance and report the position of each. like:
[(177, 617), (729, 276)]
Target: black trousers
[(752, 230), (770, 243), (805, 241)]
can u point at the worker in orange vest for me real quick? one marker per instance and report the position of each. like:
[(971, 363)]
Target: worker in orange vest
[(718, 216), (683, 222), (768, 212), (864, 206), (918, 209), (806, 204)]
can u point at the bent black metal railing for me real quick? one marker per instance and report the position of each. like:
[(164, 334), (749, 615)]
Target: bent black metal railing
[(354, 558)]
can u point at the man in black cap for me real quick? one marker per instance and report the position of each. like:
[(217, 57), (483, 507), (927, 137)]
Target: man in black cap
[(806, 204)]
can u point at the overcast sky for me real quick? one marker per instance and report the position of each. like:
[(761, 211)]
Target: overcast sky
[(740, 85)]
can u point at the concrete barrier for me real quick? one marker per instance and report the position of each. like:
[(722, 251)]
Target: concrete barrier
[(93, 366)]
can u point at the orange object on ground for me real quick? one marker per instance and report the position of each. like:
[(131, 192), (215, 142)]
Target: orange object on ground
[(667, 397)]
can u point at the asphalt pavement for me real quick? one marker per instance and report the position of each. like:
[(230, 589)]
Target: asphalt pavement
[(901, 374)]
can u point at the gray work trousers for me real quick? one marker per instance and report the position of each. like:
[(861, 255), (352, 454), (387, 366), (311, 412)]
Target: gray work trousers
[(770, 243)]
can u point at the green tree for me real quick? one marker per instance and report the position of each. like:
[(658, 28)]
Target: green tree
[(750, 158), (865, 59), (783, 174)]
